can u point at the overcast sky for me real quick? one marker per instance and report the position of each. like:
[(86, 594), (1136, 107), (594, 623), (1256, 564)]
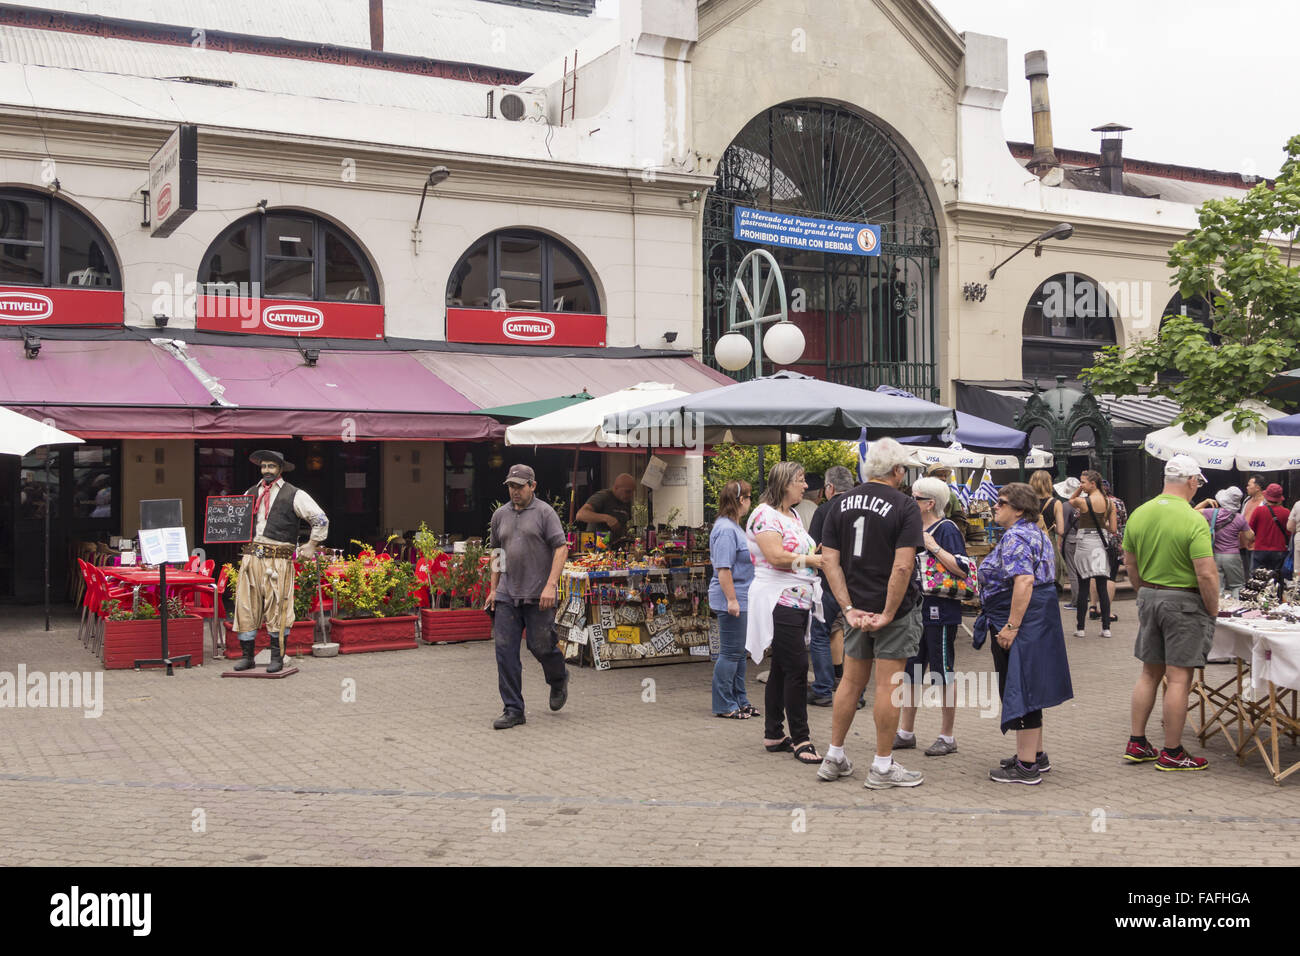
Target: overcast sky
[(1202, 82)]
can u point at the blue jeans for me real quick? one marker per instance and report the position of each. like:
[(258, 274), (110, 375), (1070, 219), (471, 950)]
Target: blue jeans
[(820, 648), (729, 671), (508, 625)]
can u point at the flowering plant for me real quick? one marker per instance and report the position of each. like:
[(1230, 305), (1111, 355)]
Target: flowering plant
[(374, 586), (464, 582)]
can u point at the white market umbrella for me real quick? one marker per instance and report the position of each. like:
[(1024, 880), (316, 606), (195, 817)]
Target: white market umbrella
[(19, 435), (1220, 448), (584, 423), (955, 456)]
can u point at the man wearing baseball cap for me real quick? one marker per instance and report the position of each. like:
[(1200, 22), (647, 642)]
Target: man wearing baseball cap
[(1169, 554), (528, 554)]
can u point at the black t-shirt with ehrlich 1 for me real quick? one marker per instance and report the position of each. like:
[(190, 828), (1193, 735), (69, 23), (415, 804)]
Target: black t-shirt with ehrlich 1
[(866, 526)]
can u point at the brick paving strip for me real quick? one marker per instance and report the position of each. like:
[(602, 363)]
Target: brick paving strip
[(630, 772)]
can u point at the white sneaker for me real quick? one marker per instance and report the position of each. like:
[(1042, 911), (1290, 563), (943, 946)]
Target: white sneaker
[(1105, 632), (1078, 633), (834, 769), (895, 776)]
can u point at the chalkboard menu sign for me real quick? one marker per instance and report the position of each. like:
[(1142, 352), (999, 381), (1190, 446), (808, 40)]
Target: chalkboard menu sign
[(229, 519)]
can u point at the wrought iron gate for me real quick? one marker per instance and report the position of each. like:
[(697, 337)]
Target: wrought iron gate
[(868, 320)]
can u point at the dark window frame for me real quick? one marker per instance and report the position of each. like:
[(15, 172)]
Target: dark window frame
[(1084, 347), (258, 256), (546, 244), (51, 242)]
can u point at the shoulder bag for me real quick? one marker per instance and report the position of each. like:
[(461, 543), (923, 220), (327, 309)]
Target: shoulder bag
[(1108, 540), (938, 582)]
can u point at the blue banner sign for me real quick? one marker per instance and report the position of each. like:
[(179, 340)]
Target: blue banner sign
[(798, 232)]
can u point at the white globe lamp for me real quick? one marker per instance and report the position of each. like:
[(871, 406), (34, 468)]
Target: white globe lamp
[(734, 351), (783, 343)]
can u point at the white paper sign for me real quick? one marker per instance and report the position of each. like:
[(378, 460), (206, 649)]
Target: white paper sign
[(675, 476), (163, 545), (654, 473)]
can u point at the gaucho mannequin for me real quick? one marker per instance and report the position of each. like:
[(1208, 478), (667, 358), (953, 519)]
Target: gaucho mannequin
[(265, 592)]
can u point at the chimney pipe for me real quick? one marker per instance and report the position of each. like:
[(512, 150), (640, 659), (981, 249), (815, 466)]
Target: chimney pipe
[(1112, 156), (377, 25), (1044, 159)]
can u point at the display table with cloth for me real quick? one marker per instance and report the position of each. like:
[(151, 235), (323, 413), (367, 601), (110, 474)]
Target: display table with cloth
[(140, 578), (1261, 695)]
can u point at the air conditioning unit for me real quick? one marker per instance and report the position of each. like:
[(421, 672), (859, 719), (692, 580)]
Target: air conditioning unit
[(517, 104)]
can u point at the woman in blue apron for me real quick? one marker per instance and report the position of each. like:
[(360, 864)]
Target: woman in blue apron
[(1018, 588)]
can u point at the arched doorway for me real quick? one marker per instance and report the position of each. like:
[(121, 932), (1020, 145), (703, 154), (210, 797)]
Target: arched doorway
[(867, 320)]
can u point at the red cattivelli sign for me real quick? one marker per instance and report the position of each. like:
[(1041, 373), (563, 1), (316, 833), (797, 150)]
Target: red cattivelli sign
[(333, 320), (500, 327), (28, 306)]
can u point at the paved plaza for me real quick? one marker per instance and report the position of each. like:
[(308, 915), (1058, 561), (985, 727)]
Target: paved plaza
[(194, 769)]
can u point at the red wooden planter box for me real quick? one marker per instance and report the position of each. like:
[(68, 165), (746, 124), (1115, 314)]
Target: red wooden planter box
[(126, 642), (463, 624), (301, 637), (359, 635)]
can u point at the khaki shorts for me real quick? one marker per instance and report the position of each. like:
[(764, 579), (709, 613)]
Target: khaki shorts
[(1173, 628), (897, 640)]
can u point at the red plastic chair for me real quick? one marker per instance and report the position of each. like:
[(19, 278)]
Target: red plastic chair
[(205, 602), (104, 591)]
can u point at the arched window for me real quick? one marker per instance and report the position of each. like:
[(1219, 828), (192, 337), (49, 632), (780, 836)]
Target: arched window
[(531, 270), (1068, 319), (45, 242), (285, 254)]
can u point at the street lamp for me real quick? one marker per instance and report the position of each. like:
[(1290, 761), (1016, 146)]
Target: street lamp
[(436, 175), (1061, 230), (783, 342)]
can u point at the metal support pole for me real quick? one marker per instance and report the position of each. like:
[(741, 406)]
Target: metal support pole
[(48, 455)]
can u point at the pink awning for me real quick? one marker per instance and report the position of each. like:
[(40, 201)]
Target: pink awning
[(133, 389)]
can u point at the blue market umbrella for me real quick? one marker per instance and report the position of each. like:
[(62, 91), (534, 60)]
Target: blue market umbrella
[(973, 433)]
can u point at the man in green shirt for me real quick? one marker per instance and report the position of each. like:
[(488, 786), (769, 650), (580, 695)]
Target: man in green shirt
[(1169, 554)]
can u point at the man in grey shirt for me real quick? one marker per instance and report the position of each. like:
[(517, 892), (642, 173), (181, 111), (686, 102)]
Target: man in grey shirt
[(528, 556)]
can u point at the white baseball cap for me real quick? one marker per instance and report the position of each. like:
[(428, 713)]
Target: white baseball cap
[(1183, 466)]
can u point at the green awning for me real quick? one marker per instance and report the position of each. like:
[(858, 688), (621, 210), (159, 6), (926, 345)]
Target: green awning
[(542, 406)]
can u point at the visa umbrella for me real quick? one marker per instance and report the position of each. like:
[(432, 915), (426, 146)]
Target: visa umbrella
[(1219, 447)]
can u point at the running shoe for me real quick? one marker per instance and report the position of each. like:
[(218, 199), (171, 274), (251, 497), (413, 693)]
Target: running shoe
[(834, 769), (1186, 761), (1140, 753), (904, 743), (895, 776), (1043, 764), (1017, 773)]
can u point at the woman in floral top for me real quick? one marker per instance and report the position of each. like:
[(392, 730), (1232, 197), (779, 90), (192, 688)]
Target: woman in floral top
[(1018, 588), (783, 597)]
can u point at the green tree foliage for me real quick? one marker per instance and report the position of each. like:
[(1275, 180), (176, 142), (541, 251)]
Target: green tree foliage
[(1232, 261), (741, 462)]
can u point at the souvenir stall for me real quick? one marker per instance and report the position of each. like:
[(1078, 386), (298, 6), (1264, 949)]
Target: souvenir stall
[(1254, 704), (631, 609)]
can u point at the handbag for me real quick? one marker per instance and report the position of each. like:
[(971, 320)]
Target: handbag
[(938, 582), (1108, 540)]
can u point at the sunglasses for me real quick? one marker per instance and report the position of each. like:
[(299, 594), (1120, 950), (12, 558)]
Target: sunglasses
[(1003, 501), (922, 498)]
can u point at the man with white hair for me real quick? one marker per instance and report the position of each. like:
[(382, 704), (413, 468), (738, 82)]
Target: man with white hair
[(1169, 554), (869, 548)]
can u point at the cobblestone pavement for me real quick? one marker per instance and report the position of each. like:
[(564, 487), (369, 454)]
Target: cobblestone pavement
[(195, 769)]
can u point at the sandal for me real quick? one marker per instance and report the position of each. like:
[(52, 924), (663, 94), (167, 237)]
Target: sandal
[(1094, 614), (734, 715), (810, 752), (750, 710), (786, 744)]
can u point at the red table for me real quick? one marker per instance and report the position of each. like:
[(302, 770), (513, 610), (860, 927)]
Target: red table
[(138, 578)]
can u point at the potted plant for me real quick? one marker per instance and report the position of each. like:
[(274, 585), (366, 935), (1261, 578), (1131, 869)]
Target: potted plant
[(303, 630), (374, 604), (132, 635), (459, 591)]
